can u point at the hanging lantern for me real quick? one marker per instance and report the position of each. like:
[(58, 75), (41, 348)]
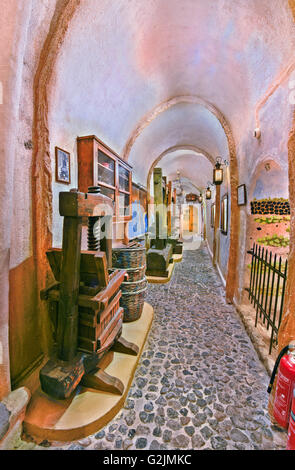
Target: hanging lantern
[(191, 197), (218, 172), (208, 193), (200, 199)]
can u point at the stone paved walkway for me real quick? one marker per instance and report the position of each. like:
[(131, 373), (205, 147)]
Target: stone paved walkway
[(199, 382)]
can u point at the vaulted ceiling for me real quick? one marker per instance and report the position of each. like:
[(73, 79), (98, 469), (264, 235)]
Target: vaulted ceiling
[(146, 76), (192, 166)]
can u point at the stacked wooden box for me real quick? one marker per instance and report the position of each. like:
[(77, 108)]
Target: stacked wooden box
[(100, 316), (98, 327)]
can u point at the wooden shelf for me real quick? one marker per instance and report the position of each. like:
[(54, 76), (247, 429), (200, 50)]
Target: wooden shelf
[(105, 167), (106, 185)]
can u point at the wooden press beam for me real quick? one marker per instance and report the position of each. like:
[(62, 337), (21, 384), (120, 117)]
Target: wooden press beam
[(73, 206), (159, 208), (67, 331), (169, 214)]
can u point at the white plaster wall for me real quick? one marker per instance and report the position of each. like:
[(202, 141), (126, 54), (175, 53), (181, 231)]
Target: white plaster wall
[(275, 122), (224, 240), (21, 236), (209, 229), (15, 23)]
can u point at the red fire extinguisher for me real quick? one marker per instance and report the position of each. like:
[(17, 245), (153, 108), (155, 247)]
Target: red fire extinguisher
[(291, 429), (285, 385)]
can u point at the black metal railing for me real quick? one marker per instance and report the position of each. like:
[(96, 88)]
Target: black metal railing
[(267, 289)]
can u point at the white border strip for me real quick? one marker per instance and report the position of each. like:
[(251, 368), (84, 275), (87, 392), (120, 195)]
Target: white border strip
[(217, 266)]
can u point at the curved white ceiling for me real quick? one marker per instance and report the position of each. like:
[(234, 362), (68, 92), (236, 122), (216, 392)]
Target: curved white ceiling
[(122, 58), (180, 125), (193, 167), (189, 187)]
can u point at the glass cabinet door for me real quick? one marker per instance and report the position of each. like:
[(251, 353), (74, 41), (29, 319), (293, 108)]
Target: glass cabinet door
[(105, 169), (124, 205), (108, 192), (124, 179)]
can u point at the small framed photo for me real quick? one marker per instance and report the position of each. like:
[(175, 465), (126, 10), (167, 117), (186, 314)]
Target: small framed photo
[(224, 215), (62, 166), (242, 195)]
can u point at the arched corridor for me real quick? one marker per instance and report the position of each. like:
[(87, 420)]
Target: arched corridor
[(199, 383), (159, 133)]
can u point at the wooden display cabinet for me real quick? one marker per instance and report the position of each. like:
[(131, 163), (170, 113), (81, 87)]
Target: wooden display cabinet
[(99, 165)]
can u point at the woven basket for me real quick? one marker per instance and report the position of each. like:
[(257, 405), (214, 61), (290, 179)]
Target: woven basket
[(126, 258), (134, 274), (133, 287), (132, 303)]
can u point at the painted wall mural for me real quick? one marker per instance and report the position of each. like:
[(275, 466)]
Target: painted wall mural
[(270, 224), (270, 206), (269, 228)]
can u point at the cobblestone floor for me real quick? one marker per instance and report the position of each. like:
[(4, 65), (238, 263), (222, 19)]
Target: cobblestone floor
[(199, 383)]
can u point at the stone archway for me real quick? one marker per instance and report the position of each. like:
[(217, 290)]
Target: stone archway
[(231, 281), (193, 148)]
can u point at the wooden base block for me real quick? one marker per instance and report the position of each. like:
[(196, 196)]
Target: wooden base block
[(87, 410), (158, 261), (104, 382), (59, 379), (177, 246), (125, 347), (101, 380), (162, 279)]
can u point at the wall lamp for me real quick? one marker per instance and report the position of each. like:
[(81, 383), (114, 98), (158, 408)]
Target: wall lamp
[(218, 171), (209, 190), (208, 193)]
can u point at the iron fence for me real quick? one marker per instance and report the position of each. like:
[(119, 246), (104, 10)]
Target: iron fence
[(267, 288)]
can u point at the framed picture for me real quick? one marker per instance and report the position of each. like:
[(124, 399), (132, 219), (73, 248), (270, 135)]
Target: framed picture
[(224, 215), (62, 166), (213, 209), (242, 195)]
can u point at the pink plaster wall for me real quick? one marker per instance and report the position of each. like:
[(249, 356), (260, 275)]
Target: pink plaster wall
[(23, 29)]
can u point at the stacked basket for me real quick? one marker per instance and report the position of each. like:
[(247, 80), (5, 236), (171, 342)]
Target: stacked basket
[(132, 260)]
